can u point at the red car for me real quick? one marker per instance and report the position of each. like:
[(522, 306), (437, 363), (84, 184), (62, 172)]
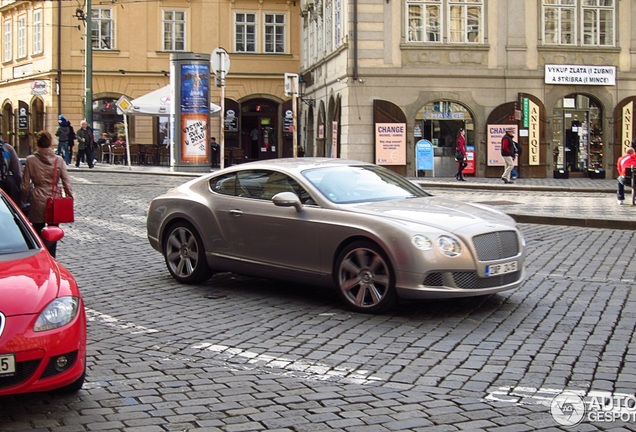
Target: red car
[(42, 316)]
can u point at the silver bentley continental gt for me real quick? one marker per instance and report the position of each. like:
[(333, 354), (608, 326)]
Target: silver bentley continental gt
[(372, 234)]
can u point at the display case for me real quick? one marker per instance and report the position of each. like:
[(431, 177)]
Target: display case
[(595, 167)]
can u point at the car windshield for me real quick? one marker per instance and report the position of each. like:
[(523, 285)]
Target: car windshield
[(349, 184), (15, 237)]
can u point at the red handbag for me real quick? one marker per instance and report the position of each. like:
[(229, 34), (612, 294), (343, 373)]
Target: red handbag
[(59, 209)]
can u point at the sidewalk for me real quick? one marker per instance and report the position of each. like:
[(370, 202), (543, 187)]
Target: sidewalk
[(571, 202)]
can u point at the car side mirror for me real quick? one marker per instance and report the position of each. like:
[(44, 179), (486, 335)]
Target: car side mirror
[(287, 199), (52, 233)]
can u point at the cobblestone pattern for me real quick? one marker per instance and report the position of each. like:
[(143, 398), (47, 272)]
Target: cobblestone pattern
[(245, 354)]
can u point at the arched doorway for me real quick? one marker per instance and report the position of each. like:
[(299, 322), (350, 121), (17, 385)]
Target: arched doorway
[(106, 119), (578, 144), (259, 128), (439, 122)]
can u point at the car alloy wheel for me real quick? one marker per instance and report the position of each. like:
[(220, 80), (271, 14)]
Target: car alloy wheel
[(184, 254), (364, 277)]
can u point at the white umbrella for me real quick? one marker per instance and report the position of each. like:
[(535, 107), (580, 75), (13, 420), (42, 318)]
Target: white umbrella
[(157, 103)]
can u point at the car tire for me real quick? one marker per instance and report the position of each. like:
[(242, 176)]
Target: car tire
[(364, 278), (184, 254)]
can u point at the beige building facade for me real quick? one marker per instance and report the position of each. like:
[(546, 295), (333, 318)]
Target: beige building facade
[(563, 73), (43, 67)]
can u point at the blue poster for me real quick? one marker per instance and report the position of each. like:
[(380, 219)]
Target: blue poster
[(195, 83), (424, 155)]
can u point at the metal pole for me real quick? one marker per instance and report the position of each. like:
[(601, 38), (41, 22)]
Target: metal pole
[(295, 115), (221, 73), (88, 76)]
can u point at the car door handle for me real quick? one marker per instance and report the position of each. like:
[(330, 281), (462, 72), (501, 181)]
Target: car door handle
[(236, 212)]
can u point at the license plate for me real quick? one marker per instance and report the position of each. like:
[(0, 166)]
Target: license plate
[(499, 269), (7, 364)]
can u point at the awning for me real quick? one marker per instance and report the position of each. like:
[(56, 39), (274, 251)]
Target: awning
[(157, 103)]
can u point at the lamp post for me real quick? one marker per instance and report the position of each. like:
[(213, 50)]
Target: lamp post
[(88, 64)]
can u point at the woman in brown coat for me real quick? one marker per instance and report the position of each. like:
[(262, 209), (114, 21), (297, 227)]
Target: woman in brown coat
[(38, 178)]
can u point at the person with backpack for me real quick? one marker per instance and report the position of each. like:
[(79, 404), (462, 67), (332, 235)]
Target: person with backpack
[(63, 134), (10, 172), (460, 154), (508, 153)]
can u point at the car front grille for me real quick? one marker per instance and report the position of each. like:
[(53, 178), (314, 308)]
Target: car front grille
[(497, 245), (23, 371), (469, 280)]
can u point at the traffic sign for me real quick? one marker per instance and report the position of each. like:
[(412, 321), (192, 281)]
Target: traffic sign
[(220, 60), (124, 104)]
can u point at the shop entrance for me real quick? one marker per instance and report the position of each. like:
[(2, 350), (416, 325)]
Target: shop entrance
[(578, 137), (259, 129), (439, 122)]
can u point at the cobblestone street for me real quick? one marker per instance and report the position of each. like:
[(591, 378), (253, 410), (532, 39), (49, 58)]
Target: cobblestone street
[(246, 354)]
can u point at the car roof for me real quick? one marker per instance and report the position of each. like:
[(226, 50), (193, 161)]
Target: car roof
[(295, 164)]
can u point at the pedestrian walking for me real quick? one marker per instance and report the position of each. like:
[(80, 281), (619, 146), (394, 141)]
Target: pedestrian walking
[(624, 163), (85, 145), (508, 152), (37, 182), (516, 170), (215, 150), (63, 133), (10, 172), (460, 154), (71, 141)]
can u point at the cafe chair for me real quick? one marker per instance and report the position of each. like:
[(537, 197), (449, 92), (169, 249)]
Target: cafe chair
[(134, 153), (107, 155), (118, 153)]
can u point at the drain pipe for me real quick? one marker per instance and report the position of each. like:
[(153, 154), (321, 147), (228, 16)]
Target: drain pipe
[(355, 40), (58, 79)]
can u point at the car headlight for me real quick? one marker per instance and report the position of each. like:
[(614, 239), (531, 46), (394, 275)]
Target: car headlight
[(58, 313), (449, 246), (422, 242)]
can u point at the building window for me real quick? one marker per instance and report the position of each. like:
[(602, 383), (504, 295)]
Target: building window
[(274, 33), (459, 21), (7, 54), (245, 32), (424, 21), (598, 23), (22, 37), (465, 21), (561, 20), (102, 29), (174, 30), (37, 32)]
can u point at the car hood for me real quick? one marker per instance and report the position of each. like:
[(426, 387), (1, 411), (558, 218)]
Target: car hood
[(436, 212), (27, 285)]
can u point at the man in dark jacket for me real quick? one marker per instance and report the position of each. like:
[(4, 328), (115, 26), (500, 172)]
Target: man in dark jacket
[(508, 153), (85, 144)]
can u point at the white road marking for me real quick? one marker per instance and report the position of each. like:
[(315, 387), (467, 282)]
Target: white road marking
[(543, 396), (132, 328), (313, 370)]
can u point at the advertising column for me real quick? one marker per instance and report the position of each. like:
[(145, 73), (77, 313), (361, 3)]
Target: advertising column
[(190, 120)]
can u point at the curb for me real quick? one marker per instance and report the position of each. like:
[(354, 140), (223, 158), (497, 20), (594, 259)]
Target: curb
[(520, 218)]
